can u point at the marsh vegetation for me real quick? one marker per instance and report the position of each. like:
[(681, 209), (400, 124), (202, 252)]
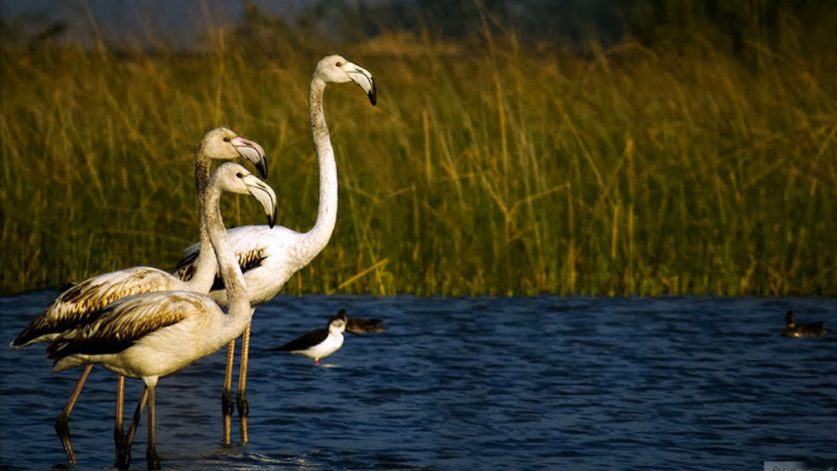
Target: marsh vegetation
[(491, 165)]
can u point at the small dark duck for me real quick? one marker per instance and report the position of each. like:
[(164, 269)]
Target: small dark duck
[(792, 329), (362, 326)]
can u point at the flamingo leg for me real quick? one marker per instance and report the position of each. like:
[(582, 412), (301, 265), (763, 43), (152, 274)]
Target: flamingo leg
[(118, 432), (226, 394), (151, 456), (241, 399), (62, 423), (129, 437)]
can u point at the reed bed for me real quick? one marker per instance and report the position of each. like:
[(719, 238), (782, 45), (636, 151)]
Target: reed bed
[(487, 168)]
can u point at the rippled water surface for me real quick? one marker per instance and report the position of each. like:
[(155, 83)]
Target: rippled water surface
[(540, 383)]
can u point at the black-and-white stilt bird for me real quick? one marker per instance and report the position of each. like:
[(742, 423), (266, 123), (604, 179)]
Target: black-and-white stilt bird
[(319, 343)]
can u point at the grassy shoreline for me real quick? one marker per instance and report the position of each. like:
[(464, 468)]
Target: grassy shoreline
[(497, 169)]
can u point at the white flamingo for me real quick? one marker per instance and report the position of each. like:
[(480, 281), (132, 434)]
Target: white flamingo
[(268, 257), (156, 334), (83, 302)]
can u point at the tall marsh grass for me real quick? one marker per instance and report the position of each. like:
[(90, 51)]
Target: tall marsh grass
[(487, 167)]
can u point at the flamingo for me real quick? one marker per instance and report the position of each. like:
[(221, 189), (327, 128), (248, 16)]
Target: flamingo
[(81, 303), (269, 257), (152, 335)]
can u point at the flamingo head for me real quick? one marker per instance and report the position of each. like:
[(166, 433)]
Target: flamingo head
[(336, 69), (225, 144), (234, 178)]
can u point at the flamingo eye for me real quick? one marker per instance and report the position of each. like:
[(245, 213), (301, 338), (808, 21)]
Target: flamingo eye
[(239, 175), (227, 139), (338, 64)]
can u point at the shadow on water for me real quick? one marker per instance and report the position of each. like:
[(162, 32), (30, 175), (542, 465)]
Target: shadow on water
[(469, 383)]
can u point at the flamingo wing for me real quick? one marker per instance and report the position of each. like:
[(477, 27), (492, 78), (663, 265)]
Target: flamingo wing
[(82, 302), (127, 321), (249, 244)]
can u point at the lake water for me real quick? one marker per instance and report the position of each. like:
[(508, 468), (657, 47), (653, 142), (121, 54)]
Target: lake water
[(469, 383)]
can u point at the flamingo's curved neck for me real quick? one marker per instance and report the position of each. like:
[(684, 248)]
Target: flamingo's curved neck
[(205, 267), (239, 311), (317, 238)]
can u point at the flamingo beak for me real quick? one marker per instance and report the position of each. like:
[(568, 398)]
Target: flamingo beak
[(264, 194), (252, 151), (363, 77)]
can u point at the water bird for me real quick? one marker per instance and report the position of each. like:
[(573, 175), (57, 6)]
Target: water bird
[(792, 329), (269, 257), (362, 326), (152, 335), (319, 343), (83, 302)]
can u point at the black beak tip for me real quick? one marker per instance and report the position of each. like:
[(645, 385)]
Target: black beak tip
[(271, 219), (261, 166), (373, 96)]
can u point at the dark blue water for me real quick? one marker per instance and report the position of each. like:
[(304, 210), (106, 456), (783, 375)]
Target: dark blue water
[(540, 383)]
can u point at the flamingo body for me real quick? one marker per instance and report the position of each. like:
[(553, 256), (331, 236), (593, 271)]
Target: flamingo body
[(156, 334), (267, 257), (145, 335), (84, 302)]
